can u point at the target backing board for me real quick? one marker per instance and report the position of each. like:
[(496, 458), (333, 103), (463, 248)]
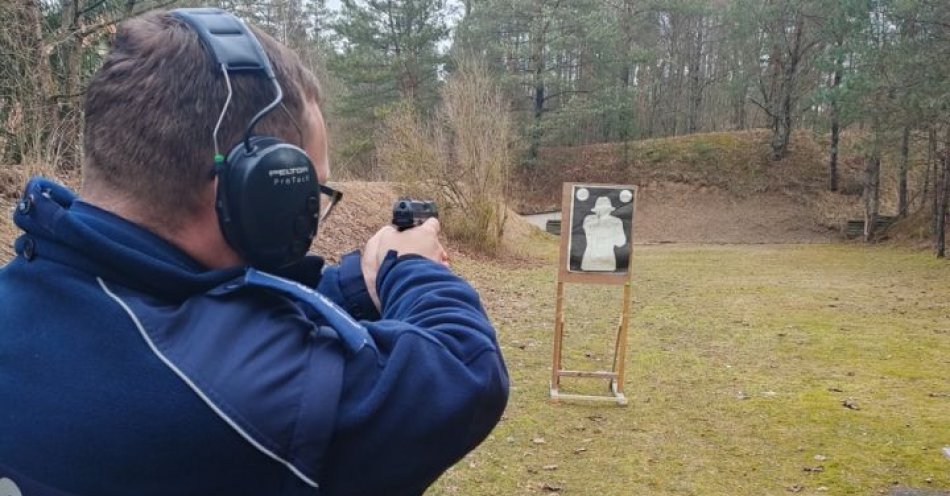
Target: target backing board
[(597, 232)]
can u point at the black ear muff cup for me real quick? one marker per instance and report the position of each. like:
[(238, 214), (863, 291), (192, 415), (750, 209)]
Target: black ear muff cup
[(268, 202), (268, 196)]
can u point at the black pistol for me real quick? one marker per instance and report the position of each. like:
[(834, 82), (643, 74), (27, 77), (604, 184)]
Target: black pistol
[(411, 213)]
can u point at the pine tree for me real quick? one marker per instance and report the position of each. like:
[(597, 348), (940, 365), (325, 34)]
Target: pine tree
[(389, 50)]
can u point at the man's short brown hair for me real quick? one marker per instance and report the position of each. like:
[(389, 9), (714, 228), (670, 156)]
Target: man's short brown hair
[(151, 108)]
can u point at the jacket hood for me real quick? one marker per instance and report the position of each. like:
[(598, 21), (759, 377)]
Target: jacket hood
[(61, 227)]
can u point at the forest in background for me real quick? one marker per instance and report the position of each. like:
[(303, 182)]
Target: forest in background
[(574, 72)]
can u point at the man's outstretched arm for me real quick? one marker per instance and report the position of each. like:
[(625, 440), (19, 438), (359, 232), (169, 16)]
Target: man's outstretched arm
[(431, 389)]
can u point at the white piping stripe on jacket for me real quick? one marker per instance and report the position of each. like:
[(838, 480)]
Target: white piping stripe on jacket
[(200, 393)]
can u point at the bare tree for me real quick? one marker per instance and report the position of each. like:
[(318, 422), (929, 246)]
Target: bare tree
[(789, 46), (48, 48)]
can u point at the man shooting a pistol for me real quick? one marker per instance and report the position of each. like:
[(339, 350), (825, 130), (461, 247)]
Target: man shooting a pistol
[(164, 332)]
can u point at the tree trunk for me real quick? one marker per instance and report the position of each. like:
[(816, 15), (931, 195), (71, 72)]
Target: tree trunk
[(72, 52), (42, 74), (937, 187), (622, 115), (536, 132), (782, 126), (940, 212), (902, 174), (833, 161), (930, 167), (783, 133), (36, 97), (537, 59), (655, 94), (677, 75), (872, 191), (741, 114), (835, 123), (695, 83)]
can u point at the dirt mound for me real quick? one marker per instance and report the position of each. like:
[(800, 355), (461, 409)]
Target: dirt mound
[(8, 231), (12, 180), (365, 208), (737, 162), (708, 188), (915, 230), (682, 213)]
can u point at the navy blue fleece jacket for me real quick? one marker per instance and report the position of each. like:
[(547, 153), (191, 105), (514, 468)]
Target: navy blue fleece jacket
[(128, 368)]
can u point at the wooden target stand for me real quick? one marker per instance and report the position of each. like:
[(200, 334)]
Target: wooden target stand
[(564, 276)]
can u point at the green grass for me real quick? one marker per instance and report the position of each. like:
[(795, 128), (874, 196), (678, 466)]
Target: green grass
[(739, 359)]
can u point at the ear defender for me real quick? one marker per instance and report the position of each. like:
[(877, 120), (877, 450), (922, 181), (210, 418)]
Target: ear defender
[(268, 194), (268, 202)]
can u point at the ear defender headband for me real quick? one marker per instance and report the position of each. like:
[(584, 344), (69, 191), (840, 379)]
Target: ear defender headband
[(268, 195)]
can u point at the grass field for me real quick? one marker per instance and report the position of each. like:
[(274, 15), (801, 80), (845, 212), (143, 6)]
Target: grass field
[(740, 362)]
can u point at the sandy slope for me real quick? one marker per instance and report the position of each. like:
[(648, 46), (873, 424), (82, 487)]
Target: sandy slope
[(364, 209)]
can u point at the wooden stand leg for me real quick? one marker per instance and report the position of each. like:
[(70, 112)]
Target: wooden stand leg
[(620, 349), (558, 339)]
